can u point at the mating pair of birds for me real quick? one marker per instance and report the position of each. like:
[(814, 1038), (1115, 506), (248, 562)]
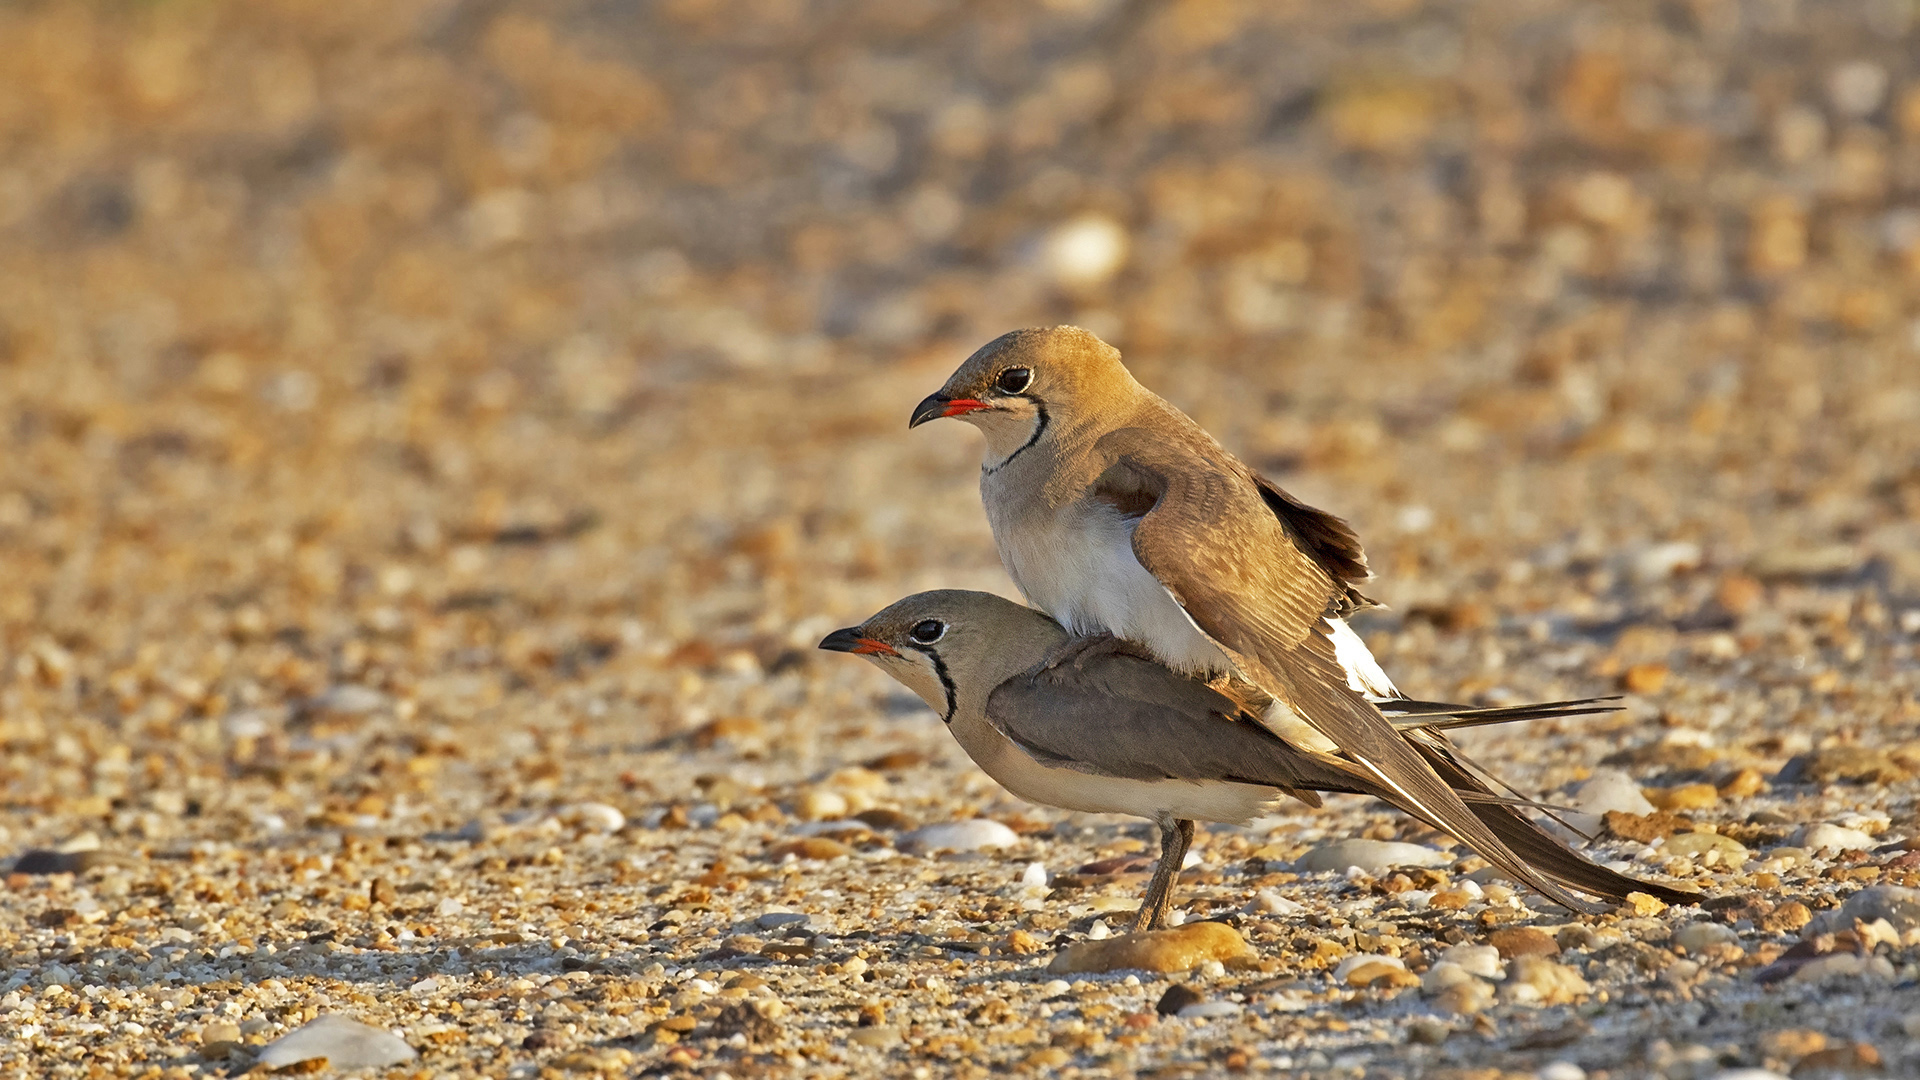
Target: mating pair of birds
[(1190, 659)]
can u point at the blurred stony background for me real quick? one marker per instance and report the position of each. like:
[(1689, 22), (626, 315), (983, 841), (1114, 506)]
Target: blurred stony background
[(418, 412)]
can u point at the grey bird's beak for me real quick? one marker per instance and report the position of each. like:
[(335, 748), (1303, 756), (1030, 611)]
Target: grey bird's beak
[(938, 404), (853, 639)]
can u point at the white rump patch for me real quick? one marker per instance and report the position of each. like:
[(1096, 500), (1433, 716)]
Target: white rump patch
[(1364, 675)]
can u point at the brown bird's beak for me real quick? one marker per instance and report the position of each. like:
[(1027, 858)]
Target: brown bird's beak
[(852, 640), (938, 405)]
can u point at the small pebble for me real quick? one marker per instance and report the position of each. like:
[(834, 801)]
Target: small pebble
[(1481, 960), (1177, 997), (1514, 941), (1698, 937), (1273, 903), (1362, 960), (877, 1037), (1208, 1010), (1179, 949), (1710, 849), (1536, 980), (976, 835), (1444, 975), (1370, 856), (595, 817), (1834, 838), (1897, 904), (1465, 999), (345, 1043), (1607, 790), (776, 920), (55, 862), (818, 804)]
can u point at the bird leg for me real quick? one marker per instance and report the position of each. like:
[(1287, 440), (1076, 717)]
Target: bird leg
[(1176, 836)]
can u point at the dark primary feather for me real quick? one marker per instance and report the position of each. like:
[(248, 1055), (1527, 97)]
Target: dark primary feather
[(1327, 540), (1541, 849), (1217, 547)]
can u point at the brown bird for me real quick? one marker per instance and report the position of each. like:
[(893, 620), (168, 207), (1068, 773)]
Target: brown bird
[(1094, 724), (1116, 514)]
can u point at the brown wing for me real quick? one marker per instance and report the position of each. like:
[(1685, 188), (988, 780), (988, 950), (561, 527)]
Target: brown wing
[(1226, 559)]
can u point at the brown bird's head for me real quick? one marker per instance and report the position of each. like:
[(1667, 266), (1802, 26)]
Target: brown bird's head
[(1022, 386), (951, 646)]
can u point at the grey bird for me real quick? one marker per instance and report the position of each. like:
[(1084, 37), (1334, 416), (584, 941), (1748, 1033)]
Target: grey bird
[(1094, 724), (1116, 514)]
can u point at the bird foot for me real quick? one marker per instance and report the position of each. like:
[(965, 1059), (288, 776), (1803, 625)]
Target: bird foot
[(1078, 651)]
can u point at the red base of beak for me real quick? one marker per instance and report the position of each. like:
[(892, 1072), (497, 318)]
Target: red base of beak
[(959, 406)]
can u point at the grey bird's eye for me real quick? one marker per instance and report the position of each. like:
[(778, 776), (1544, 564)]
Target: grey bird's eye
[(1014, 380), (927, 631)]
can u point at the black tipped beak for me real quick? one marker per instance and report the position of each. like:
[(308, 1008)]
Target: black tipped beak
[(933, 408), (854, 639), (843, 640)]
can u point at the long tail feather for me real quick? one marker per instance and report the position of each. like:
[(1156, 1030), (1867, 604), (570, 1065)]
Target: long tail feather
[(1440, 716), (1541, 850)]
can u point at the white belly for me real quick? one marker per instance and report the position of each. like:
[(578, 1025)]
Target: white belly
[(1078, 566)]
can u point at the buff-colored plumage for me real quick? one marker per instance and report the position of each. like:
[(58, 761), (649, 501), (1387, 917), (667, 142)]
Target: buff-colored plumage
[(1115, 513)]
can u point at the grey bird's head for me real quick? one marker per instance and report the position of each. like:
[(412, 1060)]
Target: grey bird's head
[(951, 646), (1024, 385)]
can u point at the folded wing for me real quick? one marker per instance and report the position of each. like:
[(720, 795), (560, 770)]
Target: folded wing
[(1212, 541)]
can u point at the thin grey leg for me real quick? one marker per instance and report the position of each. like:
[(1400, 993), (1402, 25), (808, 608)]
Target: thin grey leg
[(1176, 836)]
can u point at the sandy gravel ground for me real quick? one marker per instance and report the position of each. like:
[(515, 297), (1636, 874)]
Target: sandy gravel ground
[(434, 434)]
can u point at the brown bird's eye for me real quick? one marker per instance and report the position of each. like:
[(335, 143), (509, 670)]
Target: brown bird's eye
[(1014, 380), (927, 631)]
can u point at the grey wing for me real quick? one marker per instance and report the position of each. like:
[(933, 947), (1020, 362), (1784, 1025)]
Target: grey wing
[(1116, 714), (1211, 540)]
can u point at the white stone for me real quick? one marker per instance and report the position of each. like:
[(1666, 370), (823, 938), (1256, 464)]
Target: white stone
[(1034, 876), (974, 835), (449, 907), (1606, 790), (1561, 1070), (1700, 936), (1857, 87), (425, 986), (1272, 903), (778, 920), (345, 1043), (1360, 960), (1831, 837), (596, 817), (1085, 251), (1442, 975), (1370, 856), (1481, 960), (86, 841), (1746, 1074), (1662, 561), (819, 804)]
